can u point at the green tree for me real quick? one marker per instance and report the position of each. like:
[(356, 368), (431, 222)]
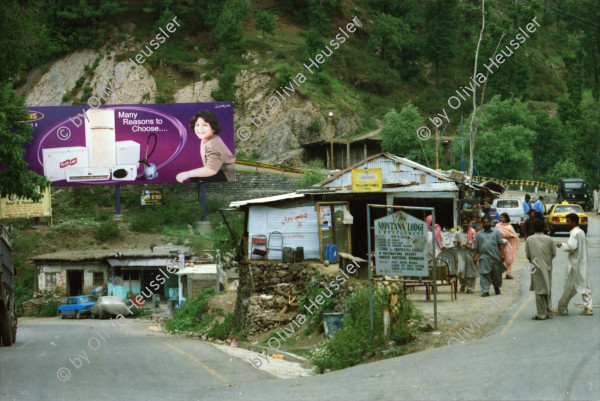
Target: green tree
[(25, 40), (265, 21), (314, 44), (228, 31), (441, 32), (226, 91), (15, 178), (399, 133), (551, 143), (564, 169), (569, 107), (505, 140), (389, 33)]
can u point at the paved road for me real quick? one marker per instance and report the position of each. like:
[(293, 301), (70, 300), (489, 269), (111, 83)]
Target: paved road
[(558, 359)]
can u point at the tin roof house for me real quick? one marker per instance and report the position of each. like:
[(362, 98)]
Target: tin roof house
[(334, 211)]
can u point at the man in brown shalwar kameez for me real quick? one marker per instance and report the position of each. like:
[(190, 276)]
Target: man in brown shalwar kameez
[(540, 251)]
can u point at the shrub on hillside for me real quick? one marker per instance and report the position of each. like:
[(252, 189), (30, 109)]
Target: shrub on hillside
[(106, 231), (173, 213), (193, 316), (354, 341)]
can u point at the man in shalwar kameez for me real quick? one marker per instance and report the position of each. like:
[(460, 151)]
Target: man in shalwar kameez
[(578, 277), (467, 271), (488, 252), (540, 251)]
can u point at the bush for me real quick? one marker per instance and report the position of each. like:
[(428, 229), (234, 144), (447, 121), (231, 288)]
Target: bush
[(106, 230), (46, 310), (193, 316), (350, 344), (226, 91), (222, 330), (315, 126), (312, 291), (102, 215), (160, 98), (313, 174)]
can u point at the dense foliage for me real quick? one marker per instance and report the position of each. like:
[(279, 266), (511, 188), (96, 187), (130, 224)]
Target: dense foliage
[(398, 70)]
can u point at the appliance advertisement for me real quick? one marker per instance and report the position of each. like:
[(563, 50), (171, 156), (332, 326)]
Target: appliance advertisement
[(133, 144)]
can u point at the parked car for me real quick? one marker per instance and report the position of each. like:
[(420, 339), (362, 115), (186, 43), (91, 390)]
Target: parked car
[(556, 219), (76, 306), (573, 190), (109, 306), (514, 208)]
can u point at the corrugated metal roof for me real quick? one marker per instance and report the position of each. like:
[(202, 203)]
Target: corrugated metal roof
[(267, 199), (198, 269), (154, 262), (394, 169), (431, 187)]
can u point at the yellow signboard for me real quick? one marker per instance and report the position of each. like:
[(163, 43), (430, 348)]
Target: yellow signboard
[(12, 207), (366, 180)]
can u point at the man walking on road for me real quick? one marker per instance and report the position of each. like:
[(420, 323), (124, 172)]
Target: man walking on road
[(597, 199), (467, 271), (578, 278), (488, 250), (540, 250), (528, 226)]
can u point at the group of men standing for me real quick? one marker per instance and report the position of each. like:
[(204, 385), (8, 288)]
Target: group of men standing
[(483, 254), (540, 250)]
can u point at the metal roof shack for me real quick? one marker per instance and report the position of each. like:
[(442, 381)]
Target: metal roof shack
[(126, 272), (333, 212)]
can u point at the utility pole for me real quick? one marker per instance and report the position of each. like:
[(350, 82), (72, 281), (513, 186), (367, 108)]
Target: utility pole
[(331, 138), (347, 149), (462, 142), (436, 149)]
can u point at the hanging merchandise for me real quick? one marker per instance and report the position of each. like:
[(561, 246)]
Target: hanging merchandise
[(150, 170)]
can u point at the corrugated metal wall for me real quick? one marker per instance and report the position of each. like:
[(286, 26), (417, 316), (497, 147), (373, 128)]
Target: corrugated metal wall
[(297, 224)]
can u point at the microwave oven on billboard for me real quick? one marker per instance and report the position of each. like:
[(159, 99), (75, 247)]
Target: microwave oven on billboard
[(57, 160), (124, 172)]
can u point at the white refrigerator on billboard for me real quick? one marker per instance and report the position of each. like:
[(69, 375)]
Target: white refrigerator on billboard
[(100, 138)]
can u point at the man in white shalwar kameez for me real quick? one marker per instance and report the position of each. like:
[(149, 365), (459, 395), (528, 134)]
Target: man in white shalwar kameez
[(540, 251), (597, 199), (467, 271), (578, 278)]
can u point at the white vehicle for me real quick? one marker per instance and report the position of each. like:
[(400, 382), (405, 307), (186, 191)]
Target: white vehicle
[(514, 208)]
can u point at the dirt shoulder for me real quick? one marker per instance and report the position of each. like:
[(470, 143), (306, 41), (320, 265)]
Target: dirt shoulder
[(471, 316)]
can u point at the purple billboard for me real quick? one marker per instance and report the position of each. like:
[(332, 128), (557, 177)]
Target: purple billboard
[(133, 144)]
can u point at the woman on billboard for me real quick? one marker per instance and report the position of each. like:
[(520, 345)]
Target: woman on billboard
[(218, 161)]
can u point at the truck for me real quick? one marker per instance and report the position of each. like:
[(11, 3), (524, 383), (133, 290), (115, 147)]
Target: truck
[(8, 317), (574, 191)]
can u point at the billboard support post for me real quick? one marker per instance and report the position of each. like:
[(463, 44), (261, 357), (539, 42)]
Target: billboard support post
[(118, 199), (203, 185)]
